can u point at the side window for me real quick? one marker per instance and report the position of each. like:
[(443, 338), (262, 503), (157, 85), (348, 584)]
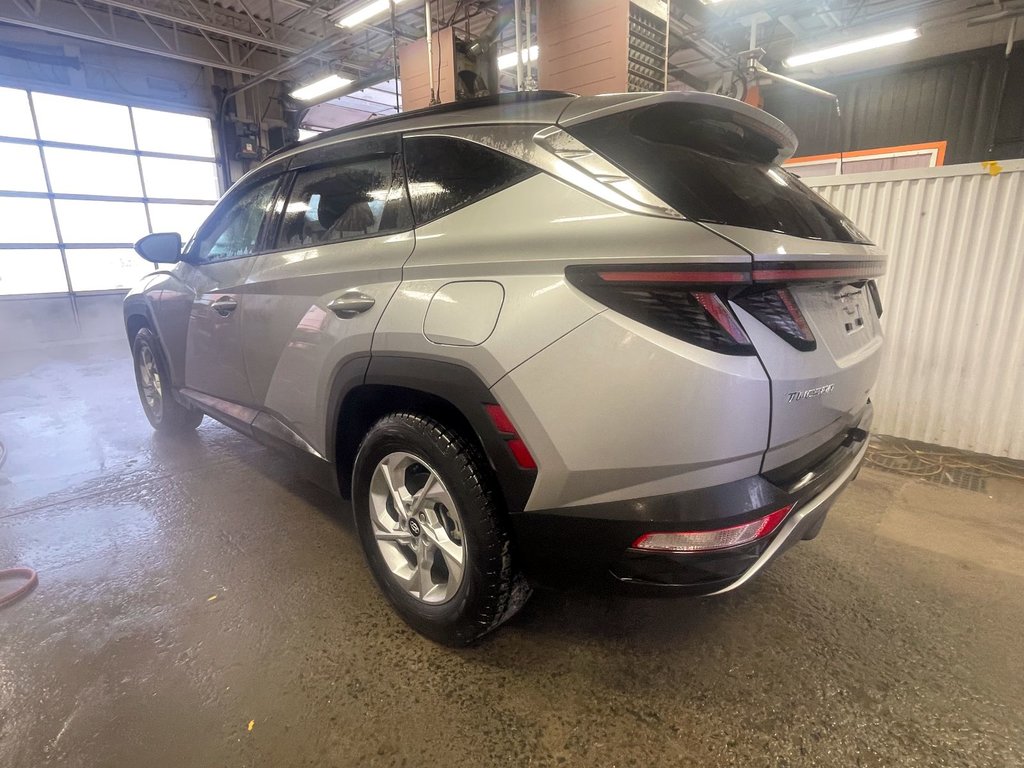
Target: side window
[(448, 173), (345, 201), (235, 233)]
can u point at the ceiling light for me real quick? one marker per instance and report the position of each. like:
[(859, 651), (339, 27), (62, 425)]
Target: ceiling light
[(320, 87), (367, 12), (507, 60), (854, 46)]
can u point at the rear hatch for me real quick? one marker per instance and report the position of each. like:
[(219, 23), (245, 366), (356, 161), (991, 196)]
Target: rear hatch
[(808, 302)]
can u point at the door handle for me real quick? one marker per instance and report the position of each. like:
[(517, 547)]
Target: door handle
[(225, 305), (350, 304)]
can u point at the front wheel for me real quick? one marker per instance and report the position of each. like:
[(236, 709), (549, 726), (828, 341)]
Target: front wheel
[(432, 530), (164, 412)]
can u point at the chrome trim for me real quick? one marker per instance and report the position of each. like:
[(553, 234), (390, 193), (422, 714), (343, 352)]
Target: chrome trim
[(216, 407), (251, 420), (268, 424), (558, 154), (794, 523)]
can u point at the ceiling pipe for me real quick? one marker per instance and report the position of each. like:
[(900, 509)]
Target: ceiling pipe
[(519, 49)]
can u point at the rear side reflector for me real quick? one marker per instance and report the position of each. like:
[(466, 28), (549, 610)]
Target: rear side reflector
[(515, 444), (708, 541)]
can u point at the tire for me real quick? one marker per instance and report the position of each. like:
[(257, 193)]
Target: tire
[(152, 381), (461, 511)]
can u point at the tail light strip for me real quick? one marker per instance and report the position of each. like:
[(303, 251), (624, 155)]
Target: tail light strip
[(738, 274), (790, 271)]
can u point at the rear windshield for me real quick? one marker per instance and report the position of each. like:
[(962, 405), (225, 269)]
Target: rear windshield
[(711, 168)]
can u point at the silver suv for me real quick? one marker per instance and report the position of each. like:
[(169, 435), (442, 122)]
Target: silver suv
[(535, 338)]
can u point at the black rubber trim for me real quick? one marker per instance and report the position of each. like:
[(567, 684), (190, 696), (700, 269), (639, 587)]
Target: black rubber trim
[(464, 390), (590, 546), (348, 375)]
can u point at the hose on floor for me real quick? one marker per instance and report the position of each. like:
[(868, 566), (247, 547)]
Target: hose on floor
[(24, 589)]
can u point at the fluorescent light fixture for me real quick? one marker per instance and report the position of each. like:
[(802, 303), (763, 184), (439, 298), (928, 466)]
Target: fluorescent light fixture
[(507, 60), (320, 87), (854, 46), (367, 13)]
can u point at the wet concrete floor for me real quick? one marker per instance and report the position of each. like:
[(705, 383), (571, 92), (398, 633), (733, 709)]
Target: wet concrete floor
[(202, 605)]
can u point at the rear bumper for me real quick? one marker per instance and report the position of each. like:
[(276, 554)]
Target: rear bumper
[(590, 547)]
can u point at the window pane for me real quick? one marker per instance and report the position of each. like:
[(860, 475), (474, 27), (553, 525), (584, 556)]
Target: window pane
[(713, 167), (31, 271), (17, 117), (181, 179), (80, 121), (337, 203), (235, 233), (21, 170), (78, 171), (26, 220), (180, 218), (173, 133), (102, 269), (88, 221), (445, 174)]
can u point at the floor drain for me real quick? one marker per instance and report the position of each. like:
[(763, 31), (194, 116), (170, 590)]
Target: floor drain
[(942, 466)]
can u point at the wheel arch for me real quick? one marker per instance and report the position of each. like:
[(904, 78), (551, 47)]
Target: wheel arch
[(448, 392)]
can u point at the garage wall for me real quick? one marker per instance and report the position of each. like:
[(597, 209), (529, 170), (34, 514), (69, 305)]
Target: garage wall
[(974, 101), (953, 370)]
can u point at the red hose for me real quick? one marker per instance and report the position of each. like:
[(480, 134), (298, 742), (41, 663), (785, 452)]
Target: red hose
[(24, 589)]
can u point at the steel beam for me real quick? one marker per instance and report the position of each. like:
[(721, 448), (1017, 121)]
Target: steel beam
[(65, 19), (205, 26)]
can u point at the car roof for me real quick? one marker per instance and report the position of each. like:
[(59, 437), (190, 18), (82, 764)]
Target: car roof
[(518, 107)]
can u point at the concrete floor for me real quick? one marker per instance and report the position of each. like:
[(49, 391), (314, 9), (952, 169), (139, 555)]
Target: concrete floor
[(192, 587)]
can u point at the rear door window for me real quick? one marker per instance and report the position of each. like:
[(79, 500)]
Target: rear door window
[(446, 174), (711, 167), (343, 201)]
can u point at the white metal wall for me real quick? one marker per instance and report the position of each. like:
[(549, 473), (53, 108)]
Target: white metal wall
[(953, 370)]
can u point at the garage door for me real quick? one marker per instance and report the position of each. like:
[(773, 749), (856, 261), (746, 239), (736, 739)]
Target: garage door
[(82, 180)]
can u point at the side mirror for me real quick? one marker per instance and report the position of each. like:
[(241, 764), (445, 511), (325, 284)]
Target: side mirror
[(161, 247)]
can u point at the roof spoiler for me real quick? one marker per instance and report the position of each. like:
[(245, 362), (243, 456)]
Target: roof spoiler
[(587, 108)]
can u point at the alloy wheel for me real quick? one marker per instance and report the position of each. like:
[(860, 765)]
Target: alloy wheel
[(418, 529)]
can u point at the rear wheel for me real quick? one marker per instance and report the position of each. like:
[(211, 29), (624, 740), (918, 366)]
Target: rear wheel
[(164, 412), (432, 531)]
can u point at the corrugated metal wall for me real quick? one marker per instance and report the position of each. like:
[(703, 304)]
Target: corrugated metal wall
[(953, 369), (973, 100)]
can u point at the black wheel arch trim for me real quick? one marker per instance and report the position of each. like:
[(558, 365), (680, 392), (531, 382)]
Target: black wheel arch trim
[(452, 383)]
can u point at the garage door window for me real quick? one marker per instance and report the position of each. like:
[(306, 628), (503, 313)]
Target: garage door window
[(82, 180)]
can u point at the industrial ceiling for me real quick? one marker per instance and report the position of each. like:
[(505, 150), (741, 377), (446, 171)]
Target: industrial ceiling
[(294, 40)]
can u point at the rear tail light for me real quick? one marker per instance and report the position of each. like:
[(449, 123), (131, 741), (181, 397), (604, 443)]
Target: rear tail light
[(777, 309), (721, 538), (507, 429), (688, 303)]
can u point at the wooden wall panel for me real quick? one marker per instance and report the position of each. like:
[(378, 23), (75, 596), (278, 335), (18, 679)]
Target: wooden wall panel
[(583, 45), (412, 62)]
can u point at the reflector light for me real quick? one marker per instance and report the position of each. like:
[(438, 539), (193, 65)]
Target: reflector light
[(521, 454), (516, 446), (706, 541), (500, 419)]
